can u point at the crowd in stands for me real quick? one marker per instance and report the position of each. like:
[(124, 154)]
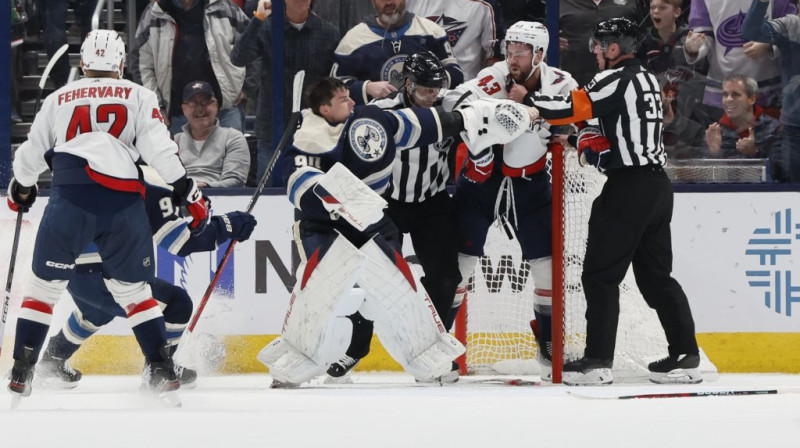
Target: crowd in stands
[(729, 69)]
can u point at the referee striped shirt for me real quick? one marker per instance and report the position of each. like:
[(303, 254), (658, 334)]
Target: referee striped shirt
[(417, 173), (627, 101)]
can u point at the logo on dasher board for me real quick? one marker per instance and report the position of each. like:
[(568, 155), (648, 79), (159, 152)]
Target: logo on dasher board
[(368, 139), (771, 253)]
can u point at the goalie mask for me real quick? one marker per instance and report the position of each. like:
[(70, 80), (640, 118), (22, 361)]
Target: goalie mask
[(530, 33), (103, 51), (427, 77)]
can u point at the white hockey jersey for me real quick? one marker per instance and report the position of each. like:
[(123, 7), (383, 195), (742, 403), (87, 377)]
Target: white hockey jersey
[(524, 155), (108, 122), (469, 25)]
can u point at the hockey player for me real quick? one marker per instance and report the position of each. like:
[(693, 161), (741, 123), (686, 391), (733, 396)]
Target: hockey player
[(339, 163), (517, 189), (96, 306), (97, 128), (418, 203)]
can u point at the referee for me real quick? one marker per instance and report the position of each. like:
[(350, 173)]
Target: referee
[(419, 204), (630, 220)]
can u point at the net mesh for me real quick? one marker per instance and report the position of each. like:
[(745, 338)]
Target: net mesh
[(500, 299)]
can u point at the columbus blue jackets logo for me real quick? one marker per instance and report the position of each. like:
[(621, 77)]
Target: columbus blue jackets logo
[(368, 139), (392, 70)]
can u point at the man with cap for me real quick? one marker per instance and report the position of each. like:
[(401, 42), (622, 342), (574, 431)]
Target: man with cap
[(214, 156)]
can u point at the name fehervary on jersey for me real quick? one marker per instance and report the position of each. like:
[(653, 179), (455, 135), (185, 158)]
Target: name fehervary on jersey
[(94, 92)]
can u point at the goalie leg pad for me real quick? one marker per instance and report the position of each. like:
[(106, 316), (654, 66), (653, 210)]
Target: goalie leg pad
[(316, 330), (405, 319)]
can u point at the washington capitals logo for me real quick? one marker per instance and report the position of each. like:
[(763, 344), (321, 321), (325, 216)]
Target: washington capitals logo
[(454, 28)]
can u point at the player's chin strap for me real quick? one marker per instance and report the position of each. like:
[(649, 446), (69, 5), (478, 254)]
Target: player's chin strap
[(506, 190)]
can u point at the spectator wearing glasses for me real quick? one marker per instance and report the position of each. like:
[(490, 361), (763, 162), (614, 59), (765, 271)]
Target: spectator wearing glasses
[(214, 156)]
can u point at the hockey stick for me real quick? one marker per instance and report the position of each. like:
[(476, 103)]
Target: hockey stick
[(7, 299), (185, 355), (18, 227), (709, 393), (46, 74)]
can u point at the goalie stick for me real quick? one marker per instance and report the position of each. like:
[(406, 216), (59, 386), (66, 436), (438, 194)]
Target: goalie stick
[(18, 227), (708, 393), (186, 348)]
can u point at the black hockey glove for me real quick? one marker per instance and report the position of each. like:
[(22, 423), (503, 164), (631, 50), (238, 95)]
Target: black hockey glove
[(15, 190), (235, 225)]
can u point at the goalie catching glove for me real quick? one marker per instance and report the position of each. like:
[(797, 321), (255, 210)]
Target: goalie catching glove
[(345, 195), (186, 193), (489, 122), (594, 148), (15, 201)]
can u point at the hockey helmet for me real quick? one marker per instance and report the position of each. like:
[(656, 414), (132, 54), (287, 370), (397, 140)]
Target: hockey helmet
[(103, 51), (424, 69), (532, 33), (620, 30)]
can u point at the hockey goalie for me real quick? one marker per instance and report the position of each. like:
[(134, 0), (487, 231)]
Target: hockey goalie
[(352, 271)]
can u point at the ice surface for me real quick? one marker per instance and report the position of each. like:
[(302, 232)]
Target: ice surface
[(389, 410)]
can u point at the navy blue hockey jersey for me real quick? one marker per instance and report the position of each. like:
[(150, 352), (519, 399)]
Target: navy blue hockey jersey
[(366, 144), (370, 53)]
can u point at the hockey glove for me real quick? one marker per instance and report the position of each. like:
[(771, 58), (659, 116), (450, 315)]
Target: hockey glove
[(235, 225), (185, 193), (15, 202), (479, 171), (594, 148)]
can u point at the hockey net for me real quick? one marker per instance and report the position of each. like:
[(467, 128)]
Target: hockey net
[(495, 323)]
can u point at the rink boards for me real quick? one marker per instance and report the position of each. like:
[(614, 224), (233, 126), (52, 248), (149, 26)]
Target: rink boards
[(734, 254)]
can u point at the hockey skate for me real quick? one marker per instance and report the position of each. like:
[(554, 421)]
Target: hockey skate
[(21, 376), (588, 372), (679, 369), (544, 353), (339, 371), (186, 376), (343, 366), (52, 372), (159, 379)]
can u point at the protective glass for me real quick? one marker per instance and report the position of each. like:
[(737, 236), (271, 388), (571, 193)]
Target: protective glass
[(593, 43), (426, 94), (517, 54)]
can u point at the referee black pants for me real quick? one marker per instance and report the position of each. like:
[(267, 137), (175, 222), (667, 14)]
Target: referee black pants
[(630, 223)]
